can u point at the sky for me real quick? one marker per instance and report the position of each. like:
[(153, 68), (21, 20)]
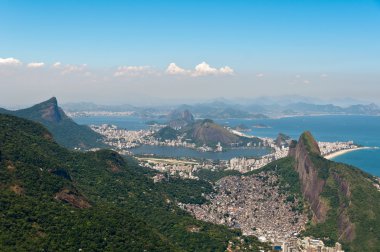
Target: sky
[(144, 51)]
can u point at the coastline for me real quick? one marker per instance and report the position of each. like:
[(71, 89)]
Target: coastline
[(342, 152)]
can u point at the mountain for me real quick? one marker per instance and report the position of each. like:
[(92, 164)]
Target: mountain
[(65, 131), (344, 203), (53, 199), (205, 132), (209, 133), (223, 110), (360, 109), (282, 140), (179, 119), (307, 108)]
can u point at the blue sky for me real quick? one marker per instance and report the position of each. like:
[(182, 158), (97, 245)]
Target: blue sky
[(251, 37)]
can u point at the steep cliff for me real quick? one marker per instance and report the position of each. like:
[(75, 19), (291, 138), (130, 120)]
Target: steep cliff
[(311, 183), (344, 203)]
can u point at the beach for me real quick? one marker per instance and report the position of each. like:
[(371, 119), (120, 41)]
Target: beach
[(342, 152)]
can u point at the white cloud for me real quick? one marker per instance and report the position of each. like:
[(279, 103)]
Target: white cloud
[(202, 69), (10, 62), (226, 70), (259, 75), (133, 71), (173, 69), (57, 64), (36, 64)]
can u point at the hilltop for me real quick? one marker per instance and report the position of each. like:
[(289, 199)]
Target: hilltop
[(210, 133), (53, 199), (344, 203), (179, 119), (206, 132), (64, 130)]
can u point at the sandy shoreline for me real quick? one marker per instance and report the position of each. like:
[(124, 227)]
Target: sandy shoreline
[(342, 152)]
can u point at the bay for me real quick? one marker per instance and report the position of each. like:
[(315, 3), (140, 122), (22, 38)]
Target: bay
[(363, 130)]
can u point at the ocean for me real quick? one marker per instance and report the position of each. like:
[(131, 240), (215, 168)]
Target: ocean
[(363, 130)]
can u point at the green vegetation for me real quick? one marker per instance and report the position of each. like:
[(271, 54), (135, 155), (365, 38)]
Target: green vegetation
[(187, 191), (288, 177), (351, 202), (311, 146), (361, 205), (65, 131), (123, 209), (209, 133), (167, 133), (353, 214)]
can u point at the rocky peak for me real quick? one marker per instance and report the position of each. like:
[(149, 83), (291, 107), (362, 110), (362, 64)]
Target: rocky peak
[(50, 111), (311, 184), (187, 116), (307, 140), (179, 119)]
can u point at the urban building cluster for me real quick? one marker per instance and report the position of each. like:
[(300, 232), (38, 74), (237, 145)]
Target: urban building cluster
[(254, 204), (98, 113), (173, 167), (331, 147), (126, 139), (244, 165), (306, 244), (120, 138)]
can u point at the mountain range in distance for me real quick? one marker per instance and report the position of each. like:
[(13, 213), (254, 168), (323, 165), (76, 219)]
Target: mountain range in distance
[(222, 108)]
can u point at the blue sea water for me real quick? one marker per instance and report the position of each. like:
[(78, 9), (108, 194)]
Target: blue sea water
[(363, 130)]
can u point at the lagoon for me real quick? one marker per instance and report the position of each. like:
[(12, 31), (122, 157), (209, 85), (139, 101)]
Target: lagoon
[(363, 130)]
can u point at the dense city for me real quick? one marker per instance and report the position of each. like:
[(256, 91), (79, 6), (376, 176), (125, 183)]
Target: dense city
[(124, 140)]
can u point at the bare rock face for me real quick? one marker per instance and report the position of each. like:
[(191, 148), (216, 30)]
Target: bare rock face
[(346, 227), (179, 119), (305, 151), (73, 198), (51, 112), (311, 184)]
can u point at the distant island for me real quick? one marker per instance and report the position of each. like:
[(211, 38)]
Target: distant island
[(242, 128), (261, 126)]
